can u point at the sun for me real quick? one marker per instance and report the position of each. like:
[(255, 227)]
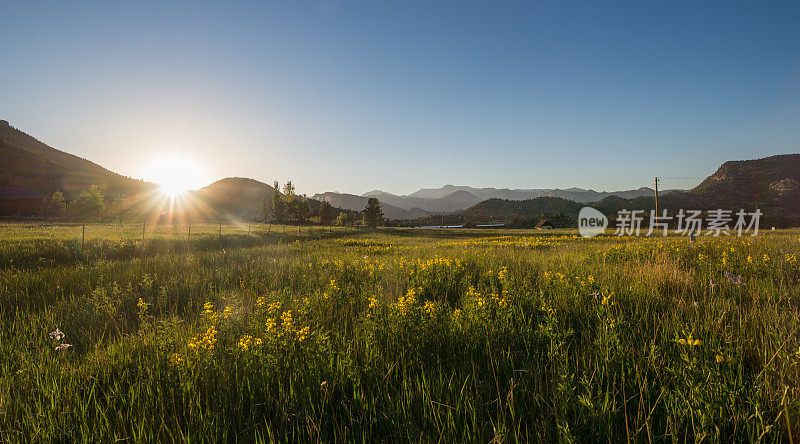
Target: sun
[(175, 175)]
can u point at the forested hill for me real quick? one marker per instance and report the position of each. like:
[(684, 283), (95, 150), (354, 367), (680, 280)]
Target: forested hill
[(29, 162)]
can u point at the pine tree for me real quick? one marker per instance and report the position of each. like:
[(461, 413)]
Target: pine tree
[(325, 213), (278, 205), (373, 215)]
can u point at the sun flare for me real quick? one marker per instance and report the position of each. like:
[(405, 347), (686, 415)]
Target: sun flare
[(175, 175)]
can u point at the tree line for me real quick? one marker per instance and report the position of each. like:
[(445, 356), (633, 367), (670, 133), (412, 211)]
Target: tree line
[(289, 207), (277, 207)]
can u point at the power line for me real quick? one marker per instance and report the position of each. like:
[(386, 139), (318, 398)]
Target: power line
[(656, 195)]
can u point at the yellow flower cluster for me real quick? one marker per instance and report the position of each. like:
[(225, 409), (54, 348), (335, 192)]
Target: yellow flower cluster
[(288, 330), (561, 278), (247, 342), (430, 308), (437, 262), (302, 334), (791, 258), (176, 359), (209, 314), (373, 301), (486, 302), (142, 305), (363, 243), (286, 320), (270, 326), (207, 338), (548, 276), (516, 241), (689, 340), (497, 300), (204, 340), (721, 357), (404, 304)]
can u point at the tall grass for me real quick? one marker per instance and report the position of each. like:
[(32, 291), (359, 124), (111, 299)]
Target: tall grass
[(403, 335)]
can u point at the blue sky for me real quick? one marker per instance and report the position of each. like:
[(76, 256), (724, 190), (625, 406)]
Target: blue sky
[(355, 96)]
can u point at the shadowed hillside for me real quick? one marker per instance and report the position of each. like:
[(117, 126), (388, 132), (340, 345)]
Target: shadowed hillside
[(41, 166), (772, 180), (238, 196)]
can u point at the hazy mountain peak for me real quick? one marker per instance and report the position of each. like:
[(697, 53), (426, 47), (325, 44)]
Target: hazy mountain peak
[(376, 193)]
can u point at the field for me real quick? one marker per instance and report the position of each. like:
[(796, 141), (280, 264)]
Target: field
[(396, 335)]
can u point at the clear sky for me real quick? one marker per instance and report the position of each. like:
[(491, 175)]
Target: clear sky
[(355, 96)]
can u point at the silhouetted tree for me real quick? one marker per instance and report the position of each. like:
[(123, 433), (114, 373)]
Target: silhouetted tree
[(373, 215), (278, 205), (298, 209), (58, 203), (266, 207), (345, 219), (88, 204), (325, 213)]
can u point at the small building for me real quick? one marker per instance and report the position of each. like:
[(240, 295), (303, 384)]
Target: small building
[(20, 201), (544, 224)]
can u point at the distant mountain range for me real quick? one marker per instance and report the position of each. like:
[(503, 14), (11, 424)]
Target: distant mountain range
[(451, 198), (358, 203), (771, 183)]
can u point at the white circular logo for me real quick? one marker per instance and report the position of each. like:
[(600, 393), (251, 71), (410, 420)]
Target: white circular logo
[(591, 222)]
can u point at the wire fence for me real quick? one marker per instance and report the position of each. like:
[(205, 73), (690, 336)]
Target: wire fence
[(38, 228)]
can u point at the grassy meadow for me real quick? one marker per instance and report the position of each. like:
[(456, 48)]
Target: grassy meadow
[(396, 335)]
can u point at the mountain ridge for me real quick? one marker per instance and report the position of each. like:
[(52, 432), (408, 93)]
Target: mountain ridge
[(69, 173), (452, 198), (771, 183)]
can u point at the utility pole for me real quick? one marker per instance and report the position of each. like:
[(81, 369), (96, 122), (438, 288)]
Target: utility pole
[(656, 182)]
